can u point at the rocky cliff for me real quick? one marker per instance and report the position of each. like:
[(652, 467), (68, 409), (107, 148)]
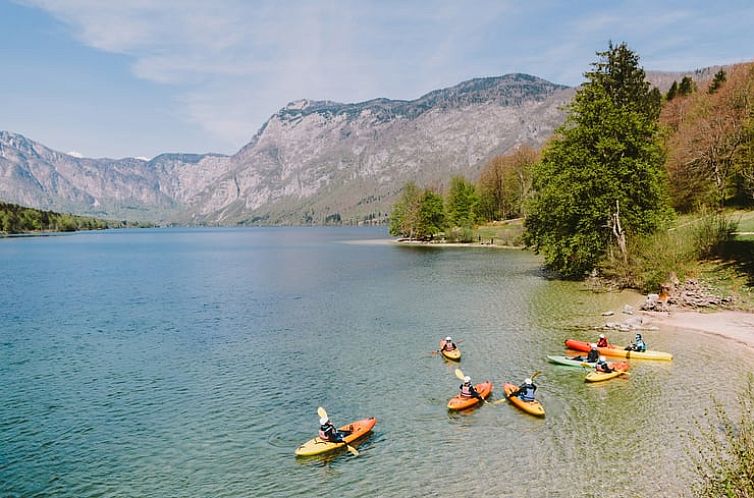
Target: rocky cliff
[(312, 161)]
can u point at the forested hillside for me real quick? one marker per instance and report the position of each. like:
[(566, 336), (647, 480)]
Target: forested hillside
[(19, 219)]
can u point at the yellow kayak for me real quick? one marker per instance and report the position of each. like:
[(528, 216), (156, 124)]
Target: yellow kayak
[(619, 369), (453, 354), (531, 407), (357, 429)]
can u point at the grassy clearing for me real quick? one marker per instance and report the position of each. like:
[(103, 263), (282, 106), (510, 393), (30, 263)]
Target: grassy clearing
[(707, 247), (501, 233)]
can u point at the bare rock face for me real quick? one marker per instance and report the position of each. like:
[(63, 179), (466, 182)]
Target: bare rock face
[(311, 162)]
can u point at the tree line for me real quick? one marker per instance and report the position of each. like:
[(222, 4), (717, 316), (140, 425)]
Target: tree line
[(605, 188), (19, 219), (502, 190)]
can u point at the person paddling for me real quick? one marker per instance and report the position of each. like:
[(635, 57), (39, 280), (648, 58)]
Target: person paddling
[(637, 345), (328, 432), (526, 390), (468, 390), (602, 366), (592, 357), (602, 342), (448, 344)]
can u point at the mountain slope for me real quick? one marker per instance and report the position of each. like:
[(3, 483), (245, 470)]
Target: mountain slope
[(310, 161)]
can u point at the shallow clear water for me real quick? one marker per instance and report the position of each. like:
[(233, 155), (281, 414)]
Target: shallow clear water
[(191, 363)]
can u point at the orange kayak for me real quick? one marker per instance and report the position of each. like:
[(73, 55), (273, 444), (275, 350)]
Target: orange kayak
[(617, 352), (459, 402), (531, 407), (357, 429)]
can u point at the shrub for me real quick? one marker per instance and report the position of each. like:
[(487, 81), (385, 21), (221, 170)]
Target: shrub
[(723, 451)]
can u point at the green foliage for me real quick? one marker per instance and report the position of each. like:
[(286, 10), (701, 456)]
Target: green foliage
[(417, 215), (405, 213), (717, 81), (462, 203), (653, 257), (18, 219), (431, 216), (687, 86), (723, 452), (606, 151), (672, 92)]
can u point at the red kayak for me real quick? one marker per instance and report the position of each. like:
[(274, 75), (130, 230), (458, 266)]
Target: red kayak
[(618, 352)]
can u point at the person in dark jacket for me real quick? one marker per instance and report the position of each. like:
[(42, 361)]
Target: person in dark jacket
[(328, 432), (448, 344), (526, 390), (602, 366), (591, 357)]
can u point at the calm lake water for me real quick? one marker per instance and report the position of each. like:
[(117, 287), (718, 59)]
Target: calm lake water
[(154, 363)]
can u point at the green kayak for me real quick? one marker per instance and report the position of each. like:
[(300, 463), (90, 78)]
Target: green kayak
[(568, 362)]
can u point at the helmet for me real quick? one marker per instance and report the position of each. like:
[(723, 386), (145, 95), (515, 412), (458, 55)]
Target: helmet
[(593, 346), (602, 336), (602, 358), (527, 381), (467, 379), (448, 339), (323, 420), (638, 336)]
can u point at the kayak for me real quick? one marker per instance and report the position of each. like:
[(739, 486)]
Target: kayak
[(619, 368), (453, 354), (531, 407), (617, 352), (459, 402), (568, 362), (316, 446)]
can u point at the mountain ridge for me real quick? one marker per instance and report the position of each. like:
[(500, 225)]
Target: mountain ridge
[(310, 162)]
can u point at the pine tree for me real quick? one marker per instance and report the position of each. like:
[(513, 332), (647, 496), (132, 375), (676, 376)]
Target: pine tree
[(606, 153), (672, 92), (717, 81), (687, 86)]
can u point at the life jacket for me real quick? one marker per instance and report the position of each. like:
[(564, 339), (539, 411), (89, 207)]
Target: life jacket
[(602, 343), (527, 392), (326, 432), (640, 346), (466, 390), (593, 356), (448, 346)]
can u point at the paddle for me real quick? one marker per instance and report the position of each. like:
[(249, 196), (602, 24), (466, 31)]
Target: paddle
[(461, 376), (322, 413)]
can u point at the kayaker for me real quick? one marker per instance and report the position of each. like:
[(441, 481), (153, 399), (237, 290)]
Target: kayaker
[(637, 345), (602, 366), (448, 344), (602, 342), (468, 390), (526, 390), (328, 432), (592, 357)]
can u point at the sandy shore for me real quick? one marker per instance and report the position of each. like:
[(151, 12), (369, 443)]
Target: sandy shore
[(735, 325)]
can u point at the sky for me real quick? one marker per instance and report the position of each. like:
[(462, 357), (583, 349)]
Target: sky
[(138, 77)]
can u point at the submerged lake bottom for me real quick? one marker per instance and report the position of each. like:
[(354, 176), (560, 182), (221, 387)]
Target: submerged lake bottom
[(191, 362)]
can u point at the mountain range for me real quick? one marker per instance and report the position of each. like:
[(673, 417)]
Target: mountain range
[(311, 162)]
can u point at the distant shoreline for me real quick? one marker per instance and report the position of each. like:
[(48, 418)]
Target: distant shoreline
[(421, 243)]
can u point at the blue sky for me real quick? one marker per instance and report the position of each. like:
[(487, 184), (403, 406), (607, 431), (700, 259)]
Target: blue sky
[(139, 77)]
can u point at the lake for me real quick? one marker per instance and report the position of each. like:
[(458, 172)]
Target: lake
[(191, 362)]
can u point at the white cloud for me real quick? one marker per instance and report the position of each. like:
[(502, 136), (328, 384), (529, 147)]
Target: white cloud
[(232, 63)]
